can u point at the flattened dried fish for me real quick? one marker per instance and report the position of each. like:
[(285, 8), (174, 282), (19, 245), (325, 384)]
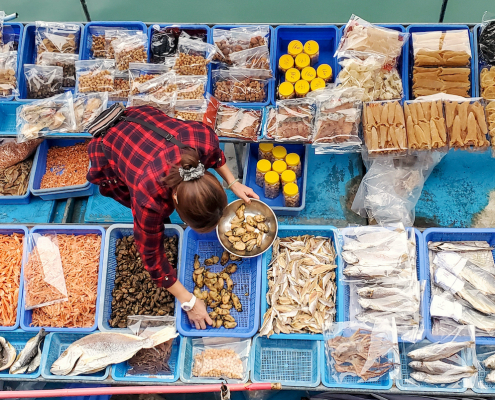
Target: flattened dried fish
[(437, 351), (490, 377), (439, 379), (441, 367), (370, 316), (459, 246), (490, 362)]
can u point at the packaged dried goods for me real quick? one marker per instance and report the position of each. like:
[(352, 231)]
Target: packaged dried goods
[(142, 72), (295, 48), (121, 86), (129, 49), (442, 48), (270, 123), (324, 71), (161, 87), (100, 38), (490, 116), (262, 167), (425, 125), (302, 61), (293, 162), (55, 114), (288, 176), (97, 48), (265, 151), (191, 110), (466, 123), (193, 57), (286, 91), (279, 167), (241, 123), (254, 58), (12, 152), (285, 63), (14, 180), (43, 81), (279, 153), (57, 37), (291, 195), (191, 87), (88, 107), (486, 39), (388, 84), (292, 75), (241, 85), (360, 35), (66, 61), (8, 71), (164, 41), (166, 104), (272, 185), (95, 76), (295, 119), (221, 358), (301, 87), (112, 35), (427, 81), (487, 83), (384, 128), (317, 84), (308, 74), (312, 49)]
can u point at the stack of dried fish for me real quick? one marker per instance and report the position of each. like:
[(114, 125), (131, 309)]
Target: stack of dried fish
[(14, 180), (380, 267), (490, 364), (462, 286), (301, 281)]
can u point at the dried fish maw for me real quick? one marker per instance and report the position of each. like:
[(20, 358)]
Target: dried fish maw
[(383, 136), (398, 115), (414, 113), (384, 114), (424, 92), (455, 137), (477, 108), (440, 124), (374, 139), (401, 137), (391, 112), (392, 131), (421, 115), (407, 111), (420, 136), (440, 108), (426, 106), (424, 60), (482, 142), (458, 92), (425, 127), (375, 108), (436, 141), (462, 111), (427, 83), (458, 60), (434, 111), (370, 119), (472, 135), (411, 137), (450, 107), (452, 85)]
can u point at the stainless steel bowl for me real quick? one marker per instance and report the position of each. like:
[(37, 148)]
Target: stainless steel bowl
[(254, 208)]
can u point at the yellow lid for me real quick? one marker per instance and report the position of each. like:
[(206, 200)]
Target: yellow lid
[(292, 159), (302, 61), (302, 87), (279, 166), (311, 47), (290, 189), (324, 71), (286, 61), (271, 177), (308, 74), (286, 89), (295, 47), (317, 83), (279, 152), (266, 147), (292, 75), (264, 166), (288, 176)]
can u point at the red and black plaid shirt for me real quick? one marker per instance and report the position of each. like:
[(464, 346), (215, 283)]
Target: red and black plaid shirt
[(128, 164)]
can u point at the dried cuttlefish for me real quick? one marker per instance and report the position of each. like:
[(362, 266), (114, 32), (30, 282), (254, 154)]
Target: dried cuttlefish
[(301, 281)]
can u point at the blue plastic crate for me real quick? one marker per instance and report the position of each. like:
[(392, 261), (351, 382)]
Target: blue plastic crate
[(115, 232), (28, 55), (480, 385), (451, 235), (247, 279), (92, 27), (421, 270), (409, 56), (18, 339), (55, 345), (296, 230), (119, 371), (277, 204), (12, 32), (405, 382), (39, 166), (188, 352), (18, 200), (26, 315), (9, 230), (327, 37), (289, 362), (271, 36), (478, 62)]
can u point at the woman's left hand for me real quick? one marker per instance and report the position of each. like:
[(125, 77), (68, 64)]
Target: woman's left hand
[(244, 192)]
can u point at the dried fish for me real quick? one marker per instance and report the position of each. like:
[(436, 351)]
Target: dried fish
[(439, 379), (14, 180), (459, 246), (441, 367), (490, 377), (490, 362), (437, 351)]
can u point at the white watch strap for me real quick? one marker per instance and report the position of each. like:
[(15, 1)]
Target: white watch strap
[(189, 305)]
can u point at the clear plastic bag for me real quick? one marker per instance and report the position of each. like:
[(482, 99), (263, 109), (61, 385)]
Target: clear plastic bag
[(95, 76), (253, 58), (490, 116), (121, 87), (221, 358), (193, 57), (166, 105), (485, 357), (12, 153), (44, 278), (295, 119), (240, 85), (2, 17), (486, 38), (191, 110), (88, 107), (357, 350), (238, 39), (8, 73), (191, 87), (428, 81), (66, 61), (240, 123), (161, 87), (388, 84), (270, 123), (140, 73), (442, 48), (57, 37), (43, 81), (111, 35), (466, 124), (164, 41), (487, 83), (360, 35), (425, 125), (338, 117), (132, 48)]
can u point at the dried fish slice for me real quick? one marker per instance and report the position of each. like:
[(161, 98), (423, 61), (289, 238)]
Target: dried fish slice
[(437, 351), (441, 367), (439, 379)]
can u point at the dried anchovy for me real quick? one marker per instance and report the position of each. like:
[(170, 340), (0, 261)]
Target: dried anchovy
[(151, 361), (14, 180)]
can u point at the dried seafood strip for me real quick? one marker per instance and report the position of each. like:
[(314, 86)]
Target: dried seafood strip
[(487, 83), (10, 275), (437, 48), (425, 125), (466, 124), (427, 81), (14, 180)]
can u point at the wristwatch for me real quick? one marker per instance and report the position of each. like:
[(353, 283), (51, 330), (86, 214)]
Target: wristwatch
[(188, 306)]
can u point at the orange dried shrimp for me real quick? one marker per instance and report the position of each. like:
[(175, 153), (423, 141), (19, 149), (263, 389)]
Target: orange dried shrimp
[(10, 275)]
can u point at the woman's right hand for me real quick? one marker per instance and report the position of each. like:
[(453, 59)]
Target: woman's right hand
[(199, 316)]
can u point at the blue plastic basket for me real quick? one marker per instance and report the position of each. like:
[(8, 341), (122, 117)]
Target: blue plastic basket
[(271, 35), (188, 351), (327, 37), (18, 339), (277, 204), (26, 315), (28, 55), (413, 28), (9, 230), (449, 235), (12, 32), (115, 232), (39, 166), (18, 200), (296, 230), (91, 27), (290, 362), (119, 371), (405, 382), (8, 117), (247, 279), (420, 269), (56, 344), (478, 62), (481, 386)]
